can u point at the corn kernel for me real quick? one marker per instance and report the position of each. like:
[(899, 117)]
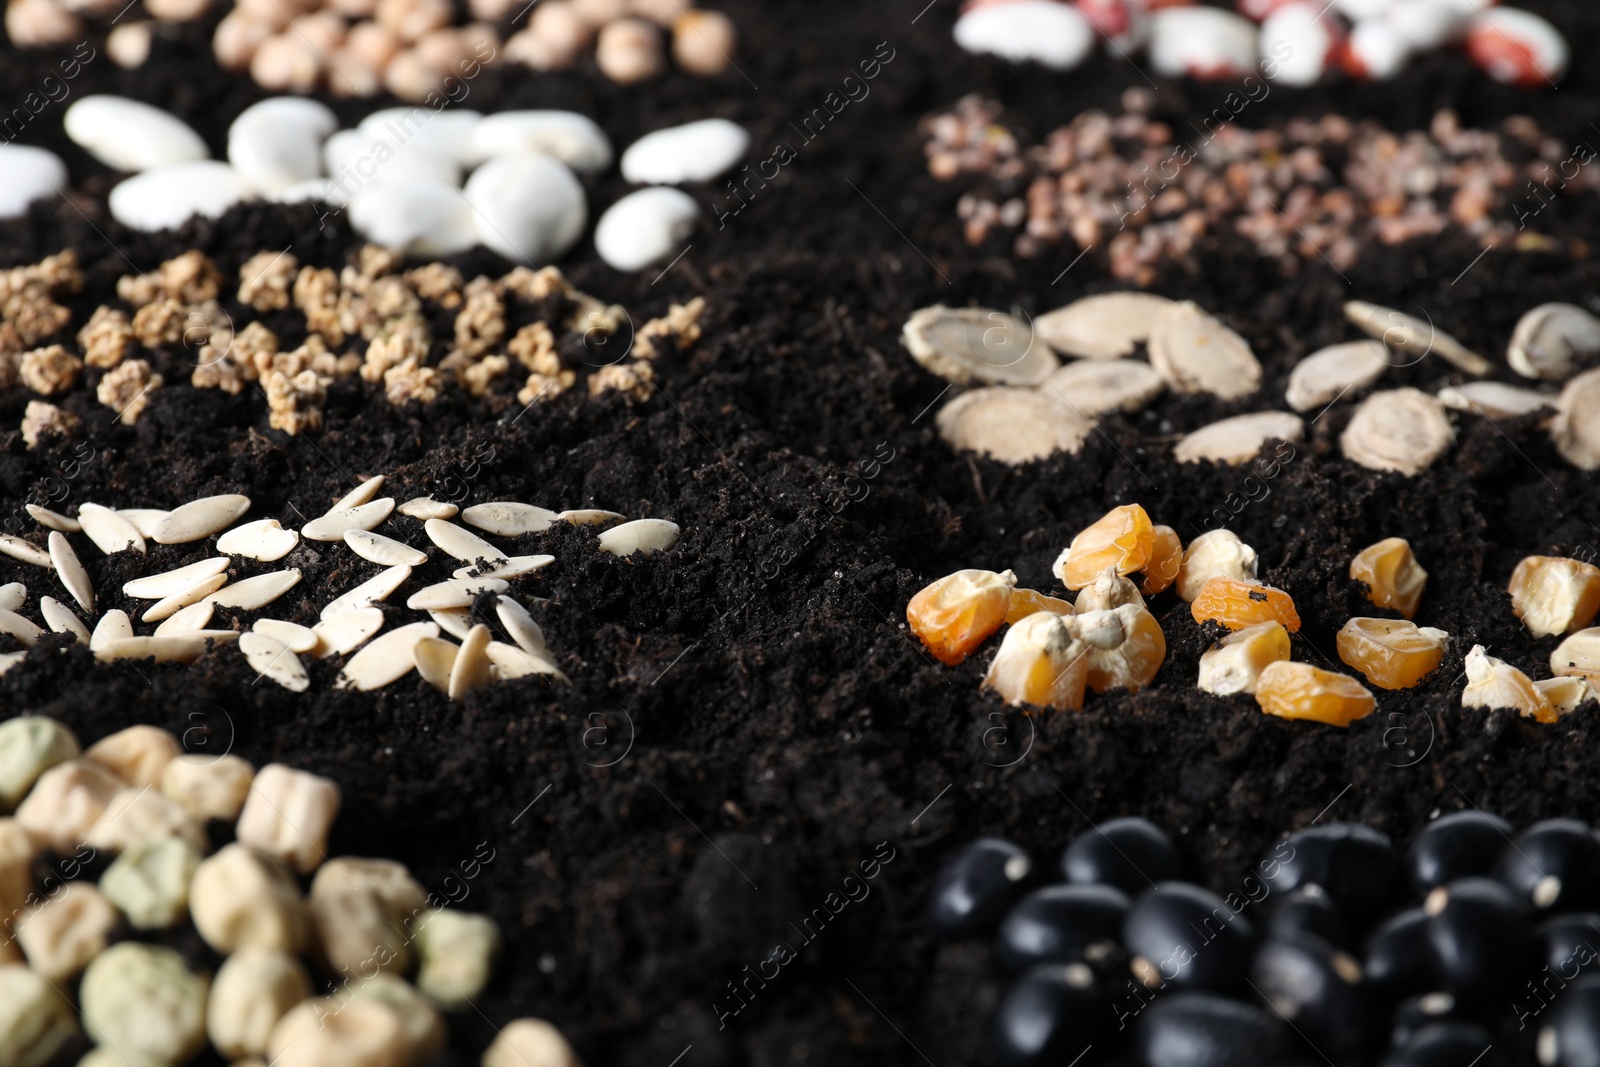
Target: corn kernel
[(1025, 602), (1236, 604), (1554, 595), (1301, 691), (1578, 656), (1166, 559), (1393, 576), (1493, 683), (1041, 662), (1109, 590), (1565, 694), (957, 613), (1234, 664), (1123, 538), (1126, 647), (1214, 554), (1392, 653)]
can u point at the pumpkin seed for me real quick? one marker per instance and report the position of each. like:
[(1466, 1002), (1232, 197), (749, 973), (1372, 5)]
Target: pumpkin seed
[(507, 518), (435, 657), (12, 596), (1197, 354), (332, 526), (1495, 400), (1414, 336), (386, 659), (454, 621), (1553, 342), (425, 507), (114, 625), (471, 667), (110, 532), (382, 550), (1094, 387), (1334, 372), (1403, 430), (641, 535), (273, 659), (589, 517), (459, 543), (70, 571), (511, 662), (454, 593), (265, 540), (251, 594), (159, 586), (1013, 426), (344, 632), (171, 648), (964, 345), (359, 495), (1238, 439), (200, 518), (1577, 427), (520, 625), (24, 551), (61, 620), (24, 630), (187, 620), (372, 591), (145, 520), (298, 638), (53, 520), (1105, 326), (191, 594)]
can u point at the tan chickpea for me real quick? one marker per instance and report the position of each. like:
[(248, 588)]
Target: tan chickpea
[(630, 51), (372, 43), (354, 9), (324, 30), (443, 52), (409, 78), (556, 36), (412, 19), (237, 38), (600, 13), (177, 10), (662, 12), (128, 45), (40, 23), (285, 62), (703, 42)]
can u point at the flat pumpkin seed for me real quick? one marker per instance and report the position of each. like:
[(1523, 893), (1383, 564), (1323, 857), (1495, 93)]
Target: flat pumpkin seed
[(191, 594), (70, 570), (1094, 387), (200, 518), (187, 620), (346, 631), (1553, 342), (359, 495), (1414, 336), (256, 592), (511, 662), (454, 621), (171, 648), (114, 625), (1238, 439), (159, 586), (520, 625), (462, 544), (11, 659), (1576, 430), (298, 638), (1104, 326), (1197, 354), (332, 526), (507, 518), (1337, 371), (61, 619), (1013, 426), (12, 596), (1402, 430), (145, 520), (372, 591), (25, 630), (471, 667), (264, 540), (435, 657), (24, 551), (425, 507), (589, 517), (386, 659), (510, 567), (382, 550), (53, 520), (274, 660), (641, 535), (966, 345), (110, 532), (1495, 400), (454, 593)]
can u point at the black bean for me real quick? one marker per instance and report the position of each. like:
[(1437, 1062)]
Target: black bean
[(1553, 866), (1063, 924), (1307, 911), (977, 887), (1571, 1037), (1318, 988), (1414, 1013), (1446, 1044), (1571, 943), (1206, 1030), (1132, 854), (1354, 863), (1481, 941), (1399, 955), (1463, 844), (1188, 937), (1050, 1016)]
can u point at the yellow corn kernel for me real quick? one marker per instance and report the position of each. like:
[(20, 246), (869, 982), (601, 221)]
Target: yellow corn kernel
[(1301, 691), (1237, 604), (1109, 590), (1394, 577), (1166, 559), (1214, 554), (1565, 694), (1122, 538), (1126, 647), (1025, 602), (957, 613), (1578, 656), (1493, 683), (1041, 662), (1392, 653), (1234, 664), (1554, 595)]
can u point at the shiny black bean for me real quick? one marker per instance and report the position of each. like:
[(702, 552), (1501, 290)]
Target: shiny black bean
[(1463, 844), (978, 886), (1399, 956), (1049, 1017), (1553, 866), (1131, 854), (1309, 910), (1063, 924), (1354, 863), (1320, 989), (1206, 1030), (1482, 944), (1187, 937)]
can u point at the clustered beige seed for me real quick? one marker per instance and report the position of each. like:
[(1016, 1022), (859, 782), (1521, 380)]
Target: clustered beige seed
[(1144, 191)]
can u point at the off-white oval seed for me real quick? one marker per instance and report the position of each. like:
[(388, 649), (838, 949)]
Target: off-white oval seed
[(382, 550), (26, 631), (331, 527), (425, 507), (386, 659), (145, 520), (1105, 326), (359, 495), (110, 532), (1237, 440), (435, 657), (187, 620), (1012, 425), (70, 571), (53, 520), (190, 594), (461, 544), (471, 667), (1401, 430), (298, 638), (640, 535), (274, 660), (201, 518), (159, 586), (254, 593), (346, 631), (114, 625), (454, 593), (12, 596), (171, 648), (61, 620), (372, 591), (265, 540), (510, 567), (24, 551), (1334, 372), (507, 518), (1197, 354), (456, 622), (520, 625)]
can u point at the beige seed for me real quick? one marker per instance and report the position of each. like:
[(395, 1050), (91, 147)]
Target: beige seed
[(65, 801), (385, 551), (1012, 425), (61, 620), (64, 933), (456, 622), (136, 754), (295, 637), (471, 667), (11, 659), (177, 10), (1235, 663), (239, 35), (386, 659), (1577, 427), (114, 625), (372, 591), (24, 630), (191, 594), (171, 648), (255, 593), (331, 527), (286, 62), (201, 518), (272, 659), (142, 816), (589, 517), (454, 593), (1239, 439), (964, 345), (1565, 694), (530, 1041), (361, 494), (630, 50), (346, 631), (1107, 326), (425, 507), (1214, 554), (1578, 656), (1197, 354), (703, 42), (253, 990), (556, 36), (520, 625), (648, 536), (70, 571), (288, 815), (435, 657), (1415, 337), (145, 520), (1094, 387), (1334, 373), (40, 24), (1554, 342), (329, 1031), (506, 518), (52, 520), (240, 899), (208, 787), (24, 551), (1403, 430), (459, 543), (372, 45), (511, 567), (165, 584), (187, 620), (110, 532), (1495, 400), (128, 45), (511, 662), (265, 540), (12, 596)]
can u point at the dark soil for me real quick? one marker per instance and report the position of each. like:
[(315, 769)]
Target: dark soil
[(749, 719)]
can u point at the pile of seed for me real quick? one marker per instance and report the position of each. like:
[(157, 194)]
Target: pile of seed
[(1332, 949), (371, 319), (182, 601), (1144, 191), (1026, 404), (268, 902)]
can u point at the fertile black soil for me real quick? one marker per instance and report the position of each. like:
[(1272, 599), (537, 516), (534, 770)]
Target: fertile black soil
[(749, 720)]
